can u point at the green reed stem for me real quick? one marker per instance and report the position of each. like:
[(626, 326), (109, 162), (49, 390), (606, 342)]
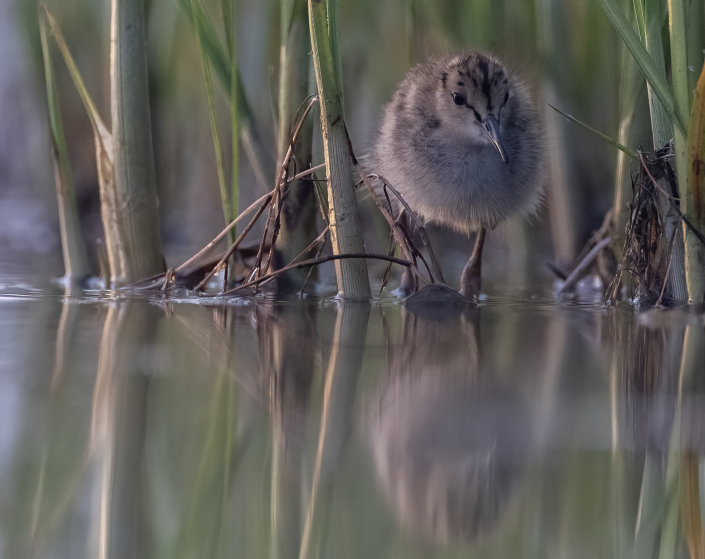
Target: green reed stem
[(345, 225), (689, 189), (131, 222)]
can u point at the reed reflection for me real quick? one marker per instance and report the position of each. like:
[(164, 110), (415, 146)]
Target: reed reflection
[(290, 344), (449, 439), (118, 431), (288, 354)]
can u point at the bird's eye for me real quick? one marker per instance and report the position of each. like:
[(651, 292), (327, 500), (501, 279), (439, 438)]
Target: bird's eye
[(459, 99)]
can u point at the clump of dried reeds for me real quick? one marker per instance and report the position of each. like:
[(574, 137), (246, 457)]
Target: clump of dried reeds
[(647, 255)]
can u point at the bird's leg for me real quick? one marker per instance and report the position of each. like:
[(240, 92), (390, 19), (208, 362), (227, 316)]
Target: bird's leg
[(471, 280), (408, 284)]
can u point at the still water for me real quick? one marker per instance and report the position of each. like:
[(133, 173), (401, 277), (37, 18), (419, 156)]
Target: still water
[(162, 428)]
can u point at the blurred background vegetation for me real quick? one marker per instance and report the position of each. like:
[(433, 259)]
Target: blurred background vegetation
[(567, 50)]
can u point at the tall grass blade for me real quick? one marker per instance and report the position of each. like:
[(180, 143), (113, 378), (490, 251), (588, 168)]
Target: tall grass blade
[(228, 9), (630, 152), (72, 242), (631, 87), (230, 17), (256, 153), (656, 78), (224, 194)]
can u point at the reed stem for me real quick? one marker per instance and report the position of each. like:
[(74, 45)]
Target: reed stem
[(131, 212), (345, 225)]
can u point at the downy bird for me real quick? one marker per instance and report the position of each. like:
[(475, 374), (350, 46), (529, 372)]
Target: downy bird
[(461, 142)]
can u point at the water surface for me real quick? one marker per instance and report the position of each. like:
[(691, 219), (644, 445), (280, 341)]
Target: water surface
[(160, 427)]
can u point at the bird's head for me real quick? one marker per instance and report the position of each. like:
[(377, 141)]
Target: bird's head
[(475, 97)]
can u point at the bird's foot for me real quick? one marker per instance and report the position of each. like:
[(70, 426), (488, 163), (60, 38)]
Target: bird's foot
[(471, 282), (407, 286), (402, 292)]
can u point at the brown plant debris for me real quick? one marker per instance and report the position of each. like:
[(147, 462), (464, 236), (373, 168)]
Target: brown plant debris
[(647, 253)]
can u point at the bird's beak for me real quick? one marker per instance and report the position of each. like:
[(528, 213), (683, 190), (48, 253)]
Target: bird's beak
[(491, 128)]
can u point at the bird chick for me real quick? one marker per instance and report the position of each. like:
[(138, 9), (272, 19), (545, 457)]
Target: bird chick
[(460, 140)]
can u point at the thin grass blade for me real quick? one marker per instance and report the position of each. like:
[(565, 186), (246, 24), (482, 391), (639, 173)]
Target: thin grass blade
[(100, 130), (102, 135), (230, 17), (224, 195), (631, 153), (72, 242)]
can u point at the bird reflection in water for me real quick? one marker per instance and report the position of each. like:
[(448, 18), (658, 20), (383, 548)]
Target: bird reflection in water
[(449, 440)]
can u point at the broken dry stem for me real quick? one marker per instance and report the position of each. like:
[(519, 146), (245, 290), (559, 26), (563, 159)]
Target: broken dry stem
[(306, 173), (264, 200), (290, 152), (261, 203), (420, 228), (279, 194), (275, 202), (385, 277), (575, 275), (168, 279), (397, 230), (318, 239), (232, 248), (310, 270)]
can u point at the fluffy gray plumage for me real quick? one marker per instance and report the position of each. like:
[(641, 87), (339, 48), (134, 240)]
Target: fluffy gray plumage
[(435, 144)]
